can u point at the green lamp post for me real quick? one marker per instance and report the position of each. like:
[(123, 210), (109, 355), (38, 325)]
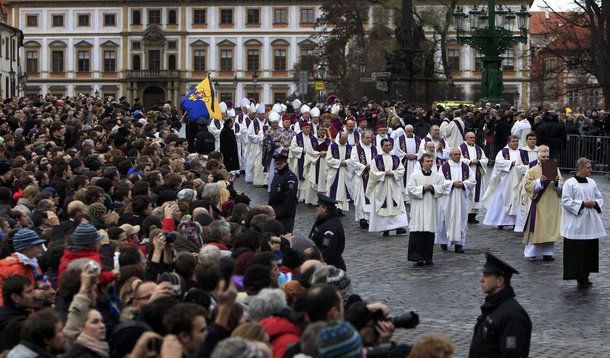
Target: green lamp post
[(491, 31)]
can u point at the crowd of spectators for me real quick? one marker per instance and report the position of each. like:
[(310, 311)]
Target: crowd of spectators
[(116, 241)]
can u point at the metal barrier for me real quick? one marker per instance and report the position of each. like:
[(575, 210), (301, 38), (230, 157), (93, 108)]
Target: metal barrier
[(594, 148)]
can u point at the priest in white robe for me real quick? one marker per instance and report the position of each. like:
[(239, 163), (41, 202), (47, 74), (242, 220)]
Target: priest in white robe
[(474, 156), (301, 143), (454, 206), (385, 192), (215, 126), (338, 172), (581, 225), (532, 151), (425, 188), (256, 134), (353, 134), (382, 133), (406, 147), (521, 129), (439, 157), (502, 195), (240, 129), (454, 132), (435, 137), (362, 155), (315, 160)]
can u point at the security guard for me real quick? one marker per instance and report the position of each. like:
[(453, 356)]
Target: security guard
[(327, 232), (503, 329), (283, 194)]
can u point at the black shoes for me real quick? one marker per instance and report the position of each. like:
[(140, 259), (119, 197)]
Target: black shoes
[(443, 247), (364, 224), (583, 284), (472, 219), (548, 258), (401, 231), (429, 263), (421, 263), (500, 227), (459, 249), (386, 233)]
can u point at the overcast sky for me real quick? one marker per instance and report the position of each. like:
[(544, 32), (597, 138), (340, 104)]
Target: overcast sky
[(555, 4)]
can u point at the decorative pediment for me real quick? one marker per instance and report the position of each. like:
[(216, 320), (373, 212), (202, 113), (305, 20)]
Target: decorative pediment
[(253, 42), (307, 43), (200, 43), (109, 43), (57, 43), (83, 43), (31, 44), (153, 36), (280, 42), (226, 43)]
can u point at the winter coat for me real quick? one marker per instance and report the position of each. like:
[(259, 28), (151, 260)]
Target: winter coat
[(69, 256), (12, 265), (282, 334)]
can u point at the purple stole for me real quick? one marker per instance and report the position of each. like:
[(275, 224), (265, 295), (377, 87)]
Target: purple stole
[(327, 141), (381, 166), (236, 125), (301, 143), (257, 127), (446, 168), (459, 125), (334, 150), (362, 160), (441, 140), (402, 141), (356, 136), (477, 174), (532, 213), (217, 123), (525, 159), (248, 121)]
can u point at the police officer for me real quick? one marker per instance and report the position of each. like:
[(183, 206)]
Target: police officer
[(283, 196), (503, 329), (327, 232)]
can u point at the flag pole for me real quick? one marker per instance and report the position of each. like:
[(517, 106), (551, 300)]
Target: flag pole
[(213, 90)]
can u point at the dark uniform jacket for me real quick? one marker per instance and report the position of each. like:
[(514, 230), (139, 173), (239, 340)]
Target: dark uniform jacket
[(204, 141), (283, 196), (327, 233), (503, 330)]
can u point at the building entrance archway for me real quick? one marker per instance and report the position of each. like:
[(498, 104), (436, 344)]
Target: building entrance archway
[(152, 96)]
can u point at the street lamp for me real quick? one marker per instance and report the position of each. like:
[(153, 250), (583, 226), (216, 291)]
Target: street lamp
[(321, 74), (362, 71), (491, 32), (235, 81)]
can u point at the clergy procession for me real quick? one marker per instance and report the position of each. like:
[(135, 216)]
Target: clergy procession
[(431, 186)]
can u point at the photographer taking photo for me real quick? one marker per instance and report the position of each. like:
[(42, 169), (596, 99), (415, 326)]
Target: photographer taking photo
[(376, 327)]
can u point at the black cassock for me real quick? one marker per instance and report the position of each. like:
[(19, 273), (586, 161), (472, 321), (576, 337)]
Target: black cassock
[(228, 148)]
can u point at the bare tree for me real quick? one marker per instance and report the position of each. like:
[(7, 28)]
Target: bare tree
[(584, 40)]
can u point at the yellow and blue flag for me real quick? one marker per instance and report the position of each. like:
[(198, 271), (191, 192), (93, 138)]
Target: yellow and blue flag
[(201, 101)]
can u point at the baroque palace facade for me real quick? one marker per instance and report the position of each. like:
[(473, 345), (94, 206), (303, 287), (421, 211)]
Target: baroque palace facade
[(157, 50)]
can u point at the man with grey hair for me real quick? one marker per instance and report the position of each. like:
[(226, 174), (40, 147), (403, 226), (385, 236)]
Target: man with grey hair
[(219, 232), (581, 225), (406, 147), (268, 302), (360, 161), (502, 195), (236, 347)]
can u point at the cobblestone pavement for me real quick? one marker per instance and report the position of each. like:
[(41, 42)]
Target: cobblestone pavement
[(566, 322)]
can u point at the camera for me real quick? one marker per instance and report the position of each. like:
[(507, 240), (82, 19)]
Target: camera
[(170, 237), (94, 266), (406, 320)]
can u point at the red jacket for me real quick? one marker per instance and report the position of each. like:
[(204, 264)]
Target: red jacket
[(282, 334), (69, 256), (11, 265)]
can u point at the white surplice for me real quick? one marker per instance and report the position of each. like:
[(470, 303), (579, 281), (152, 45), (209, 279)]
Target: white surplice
[(255, 153), (482, 168), (388, 211), (362, 206), (215, 127), (453, 207), (316, 177), (424, 205), (412, 149), (502, 195), (578, 222), (343, 175), (524, 200), (453, 135), (521, 129)]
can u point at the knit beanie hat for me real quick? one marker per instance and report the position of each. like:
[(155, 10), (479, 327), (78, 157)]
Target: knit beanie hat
[(26, 238), (333, 276), (339, 340), (97, 210), (85, 234)]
